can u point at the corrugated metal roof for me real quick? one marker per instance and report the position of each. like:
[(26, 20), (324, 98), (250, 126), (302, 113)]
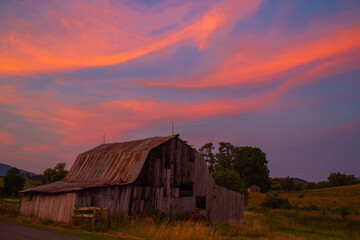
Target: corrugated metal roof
[(104, 165)]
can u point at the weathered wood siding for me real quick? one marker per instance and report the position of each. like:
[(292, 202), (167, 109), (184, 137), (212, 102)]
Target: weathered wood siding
[(172, 164), (57, 207), (114, 197), (167, 169)]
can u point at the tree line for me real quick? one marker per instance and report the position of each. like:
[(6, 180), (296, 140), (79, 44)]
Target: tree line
[(233, 167), (334, 180), (14, 182)]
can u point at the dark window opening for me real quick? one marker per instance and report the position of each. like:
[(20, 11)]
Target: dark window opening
[(167, 162), (186, 190), (201, 203)]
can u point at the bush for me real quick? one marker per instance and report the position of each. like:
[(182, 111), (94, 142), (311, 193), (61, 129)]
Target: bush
[(344, 211), (273, 201), (154, 213), (312, 207)]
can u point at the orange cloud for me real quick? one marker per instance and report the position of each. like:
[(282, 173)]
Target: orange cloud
[(250, 65), (77, 125), (26, 54)]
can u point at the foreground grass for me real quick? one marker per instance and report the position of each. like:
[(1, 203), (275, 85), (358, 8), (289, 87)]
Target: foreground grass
[(314, 215), (325, 198), (146, 228), (329, 213)]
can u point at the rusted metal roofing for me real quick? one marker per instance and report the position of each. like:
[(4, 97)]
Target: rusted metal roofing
[(105, 165)]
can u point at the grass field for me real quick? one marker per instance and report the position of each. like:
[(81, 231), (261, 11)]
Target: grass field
[(331, 213)]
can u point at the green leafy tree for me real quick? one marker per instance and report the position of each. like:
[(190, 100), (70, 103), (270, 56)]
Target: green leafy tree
[(323, 184), (309, 185), (54, 174), (249, 162), (225, 156), (342, 179), (230, 179), (273, 200), (288, 184), (209, 156), (275, 184), (13, 182)]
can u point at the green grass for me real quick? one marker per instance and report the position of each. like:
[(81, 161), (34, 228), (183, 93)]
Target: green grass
[(329, 213)]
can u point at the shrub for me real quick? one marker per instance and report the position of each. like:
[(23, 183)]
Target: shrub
[(154, 213), (344, 211), (273, 201), (312, 207)]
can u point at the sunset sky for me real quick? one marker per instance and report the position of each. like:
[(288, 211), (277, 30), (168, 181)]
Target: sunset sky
[(280, 75)]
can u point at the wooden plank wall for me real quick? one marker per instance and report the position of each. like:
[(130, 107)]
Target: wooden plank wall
[(166, 168), (57, 207), (117, 198), (222, 204), (183, 164)]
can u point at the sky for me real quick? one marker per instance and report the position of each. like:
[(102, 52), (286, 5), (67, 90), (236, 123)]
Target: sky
[(280, 75)]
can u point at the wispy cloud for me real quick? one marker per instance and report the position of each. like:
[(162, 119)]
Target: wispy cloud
[(71, 72)]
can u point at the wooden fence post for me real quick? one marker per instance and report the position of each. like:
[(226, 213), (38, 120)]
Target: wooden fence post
[(108, 218), (105, 213), (94, 217), (8, 202)]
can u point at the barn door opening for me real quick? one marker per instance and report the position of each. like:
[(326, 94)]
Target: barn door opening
[(201, 202)]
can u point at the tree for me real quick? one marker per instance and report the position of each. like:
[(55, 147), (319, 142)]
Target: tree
[(273, 200), (341, 179), (288, 184), (13, 182), (249, 162), (323, 184), (226, 155), (230, 179), (210, 159), (275, 184), (309, 185), (55, 174)]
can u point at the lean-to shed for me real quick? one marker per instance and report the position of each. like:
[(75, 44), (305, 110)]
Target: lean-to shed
[(162, 173)]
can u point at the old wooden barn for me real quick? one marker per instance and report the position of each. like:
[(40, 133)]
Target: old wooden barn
[(159, 173)]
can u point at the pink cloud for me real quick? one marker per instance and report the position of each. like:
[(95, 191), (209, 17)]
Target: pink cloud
[(6, 138), (39, 148), (256, 61), (77, 125), (101, 40), (341, 129)]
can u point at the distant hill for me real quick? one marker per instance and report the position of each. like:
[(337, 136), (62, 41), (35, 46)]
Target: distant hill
[(4, 168), (296, 180), (299, 180)]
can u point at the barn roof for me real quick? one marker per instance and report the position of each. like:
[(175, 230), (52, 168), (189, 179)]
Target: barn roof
[(105, 165)]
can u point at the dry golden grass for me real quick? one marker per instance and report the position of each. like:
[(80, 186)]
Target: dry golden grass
[(330, 198), (329, 213), (324, 221)]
